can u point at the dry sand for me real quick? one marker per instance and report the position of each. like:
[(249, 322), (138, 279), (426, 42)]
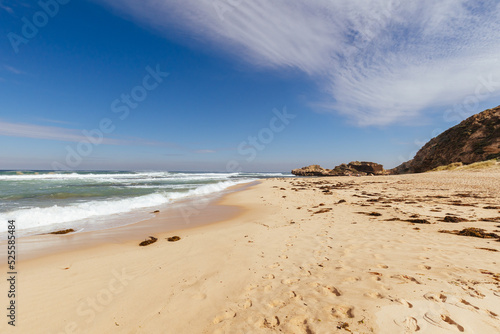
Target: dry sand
[(295, 260)]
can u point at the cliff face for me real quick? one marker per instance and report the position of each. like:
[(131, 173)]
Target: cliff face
[(475, 139)]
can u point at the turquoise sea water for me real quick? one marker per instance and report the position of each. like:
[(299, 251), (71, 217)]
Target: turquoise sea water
[(41, 201)]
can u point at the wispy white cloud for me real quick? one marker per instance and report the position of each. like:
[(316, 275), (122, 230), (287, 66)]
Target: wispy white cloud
[(25, 130), (13, 69), (56, 121), (380, 61), (204, 151), (6, 8)]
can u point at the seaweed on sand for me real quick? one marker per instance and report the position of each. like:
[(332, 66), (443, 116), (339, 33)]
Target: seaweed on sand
[(69, 230), (418, 221), (323, 210), (453, 219), (473, 232), (150, 241)]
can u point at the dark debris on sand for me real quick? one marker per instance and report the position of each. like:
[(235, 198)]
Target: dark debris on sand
[(493, 220), (454, 219), (473, 232), (488, 249), (323, 210), (374, 214), (418, 221), (174, 238), (148, 242), (69, 230)]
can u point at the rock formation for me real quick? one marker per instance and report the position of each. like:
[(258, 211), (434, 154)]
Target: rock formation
[(475, 139), (352, 168), (312, 170)]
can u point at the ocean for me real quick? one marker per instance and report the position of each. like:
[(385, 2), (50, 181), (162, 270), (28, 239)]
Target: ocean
[(46, 201)]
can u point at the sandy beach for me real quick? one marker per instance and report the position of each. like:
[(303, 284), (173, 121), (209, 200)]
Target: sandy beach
[(300, 255)]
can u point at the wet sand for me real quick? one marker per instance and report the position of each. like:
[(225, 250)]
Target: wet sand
[(178, 215)]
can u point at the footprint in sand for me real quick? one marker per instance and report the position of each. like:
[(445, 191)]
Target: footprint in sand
[(226, 315), (442, 321), (342, 311), (270, 322), (332, 289), (404, 302), (305, 272), (290, 281), (406, 278), (374, 295), (245, 304), (199, 296), (383, 266), (276, 303), (432, 297), (268, 276), (375, 276), (352, 279), (410, 325)]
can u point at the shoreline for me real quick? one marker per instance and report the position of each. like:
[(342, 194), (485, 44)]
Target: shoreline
[(305, 255), (180, 215)]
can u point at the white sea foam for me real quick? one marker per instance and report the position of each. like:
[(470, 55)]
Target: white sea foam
[(117, 176), (38, 217)]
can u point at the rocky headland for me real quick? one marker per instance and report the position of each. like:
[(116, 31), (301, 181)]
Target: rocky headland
[(475, 139)]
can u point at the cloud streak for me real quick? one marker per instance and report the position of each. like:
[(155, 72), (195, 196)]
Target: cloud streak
[(34, 131), (380, 62)]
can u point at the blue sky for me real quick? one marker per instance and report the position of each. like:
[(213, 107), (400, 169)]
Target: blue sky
[(198, 85)]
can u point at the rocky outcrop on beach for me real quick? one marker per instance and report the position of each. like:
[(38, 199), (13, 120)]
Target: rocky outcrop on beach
[(353, 168), (475, 139), (365, 167), (312, 170)]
